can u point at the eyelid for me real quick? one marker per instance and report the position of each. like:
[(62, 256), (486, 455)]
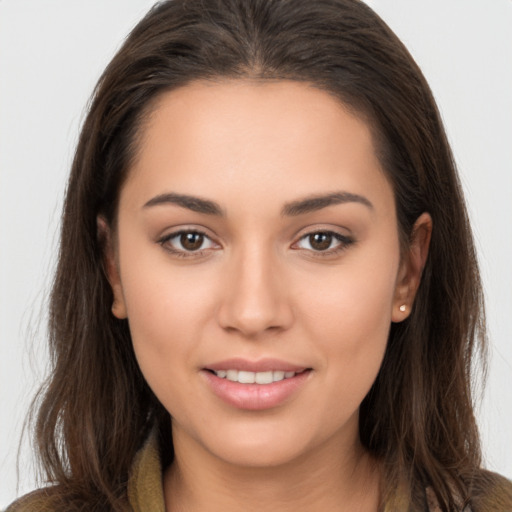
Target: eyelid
[(164, 239), (344, 242)]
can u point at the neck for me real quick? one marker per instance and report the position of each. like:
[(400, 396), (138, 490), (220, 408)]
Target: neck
[(342, 479)]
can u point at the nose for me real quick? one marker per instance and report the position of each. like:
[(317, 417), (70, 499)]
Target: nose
[(254, 299)]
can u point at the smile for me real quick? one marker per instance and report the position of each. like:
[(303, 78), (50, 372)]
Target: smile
[(256, 386), (247, 377)]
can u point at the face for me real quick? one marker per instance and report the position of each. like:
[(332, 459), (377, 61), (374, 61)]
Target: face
[(257, 261)]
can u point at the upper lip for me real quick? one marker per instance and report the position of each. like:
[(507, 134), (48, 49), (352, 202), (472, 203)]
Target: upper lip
[(260, 365)]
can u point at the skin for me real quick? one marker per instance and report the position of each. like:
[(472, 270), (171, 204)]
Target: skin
[(258, 287)]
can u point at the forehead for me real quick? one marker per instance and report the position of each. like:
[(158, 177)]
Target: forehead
[(280, 138)]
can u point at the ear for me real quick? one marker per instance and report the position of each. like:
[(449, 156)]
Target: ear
[(411, 268), (111, 267)]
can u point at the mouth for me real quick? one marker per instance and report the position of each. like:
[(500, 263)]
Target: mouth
[(256, 385), (248, 377)]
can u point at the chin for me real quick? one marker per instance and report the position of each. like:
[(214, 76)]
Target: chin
[(262, 444), (259, 455)]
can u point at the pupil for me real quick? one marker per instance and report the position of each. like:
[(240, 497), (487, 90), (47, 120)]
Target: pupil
[(320, 241), (191, 241)]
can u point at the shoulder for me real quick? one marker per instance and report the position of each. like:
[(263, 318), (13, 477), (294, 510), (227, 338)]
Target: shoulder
[(491, 492), (144, 489), (42, 500)]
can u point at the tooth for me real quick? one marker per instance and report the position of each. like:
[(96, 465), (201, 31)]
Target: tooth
[(246, 377), (232, 375), (264, 378)]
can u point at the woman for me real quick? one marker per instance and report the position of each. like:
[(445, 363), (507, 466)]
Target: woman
[(267, 292)]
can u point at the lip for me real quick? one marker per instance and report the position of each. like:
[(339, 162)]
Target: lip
[(256, 397), (261, 365)]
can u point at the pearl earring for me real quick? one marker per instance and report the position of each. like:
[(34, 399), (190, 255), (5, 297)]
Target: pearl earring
[(402, 308)]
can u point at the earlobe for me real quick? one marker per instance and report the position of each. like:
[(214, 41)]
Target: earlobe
[(411, 268), (119, 309), (111, 267)]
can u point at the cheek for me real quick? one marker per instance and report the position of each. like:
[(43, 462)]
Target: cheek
[(349, 316), (167, 308)]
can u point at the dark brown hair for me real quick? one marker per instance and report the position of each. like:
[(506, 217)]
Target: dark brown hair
[(97, 409)]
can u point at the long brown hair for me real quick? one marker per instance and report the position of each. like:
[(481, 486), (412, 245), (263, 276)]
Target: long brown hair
[(96, 409)]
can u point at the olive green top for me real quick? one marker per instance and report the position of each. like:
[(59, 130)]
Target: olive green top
[(145, 489)]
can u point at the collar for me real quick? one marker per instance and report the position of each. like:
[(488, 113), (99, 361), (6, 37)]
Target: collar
[(145, 488)]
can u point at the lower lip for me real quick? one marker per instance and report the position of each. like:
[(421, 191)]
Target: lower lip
[(255, 397)]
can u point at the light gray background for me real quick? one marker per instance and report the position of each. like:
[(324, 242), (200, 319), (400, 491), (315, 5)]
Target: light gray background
[(51, 54)]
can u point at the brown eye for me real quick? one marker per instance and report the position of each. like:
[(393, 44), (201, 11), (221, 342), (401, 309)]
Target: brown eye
[(187, 243), (325, 243), (191, 241), (320, 241)]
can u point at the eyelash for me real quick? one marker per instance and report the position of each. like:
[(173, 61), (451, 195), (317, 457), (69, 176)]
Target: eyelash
[(182, 253), (344, 243)]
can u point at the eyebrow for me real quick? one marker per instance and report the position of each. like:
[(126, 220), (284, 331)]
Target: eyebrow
[(317, 202), (195, 204), (292, 209)]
